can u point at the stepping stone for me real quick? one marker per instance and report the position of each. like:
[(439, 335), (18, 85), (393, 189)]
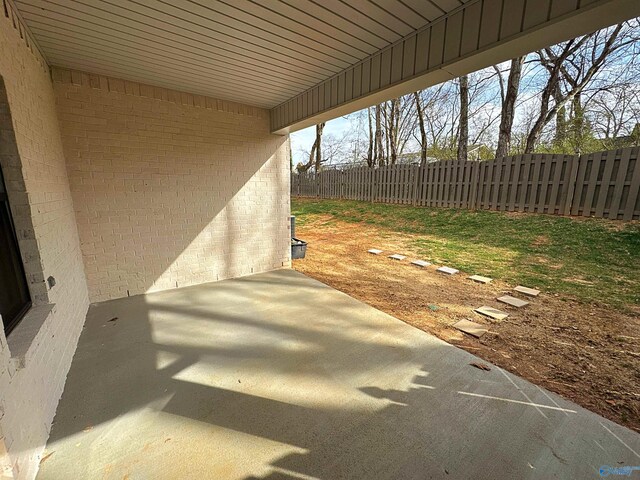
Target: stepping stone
[(397, 256), (492, 313), (375, 251), (532, 292), (513, 301), (420, 263), (472, 328), (480, 279), (448, 270)]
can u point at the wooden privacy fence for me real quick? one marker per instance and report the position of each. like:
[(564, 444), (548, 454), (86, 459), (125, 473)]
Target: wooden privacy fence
[(603, 184)]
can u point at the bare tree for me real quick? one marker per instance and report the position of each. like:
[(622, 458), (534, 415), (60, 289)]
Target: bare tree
[(463, 136), (509, 95), (315, 156), (439, 106), (399, 122), (571, 66), (615, 113)]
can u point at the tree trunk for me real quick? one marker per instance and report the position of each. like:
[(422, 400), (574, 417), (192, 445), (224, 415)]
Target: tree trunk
[(370, 159), (312, 158), (561, 119), (423, 133), (392, 130), (379, 157), (385, 133), (536, 129), (509, 107), (578, 123), (318, 145), (463, 137)]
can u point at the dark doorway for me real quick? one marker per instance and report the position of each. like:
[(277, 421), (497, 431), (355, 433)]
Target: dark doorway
[(14, 293)]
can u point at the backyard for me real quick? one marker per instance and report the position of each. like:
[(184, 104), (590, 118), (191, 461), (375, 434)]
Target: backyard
[(580, 338)]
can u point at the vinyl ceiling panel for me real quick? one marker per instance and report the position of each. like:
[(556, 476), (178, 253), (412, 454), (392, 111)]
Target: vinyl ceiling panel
[(257, 52)]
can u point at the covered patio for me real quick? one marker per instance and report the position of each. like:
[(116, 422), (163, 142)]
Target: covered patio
[(144, 154), (278, 376)]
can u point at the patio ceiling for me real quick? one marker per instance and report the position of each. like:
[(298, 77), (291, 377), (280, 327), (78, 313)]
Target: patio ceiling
[(258, 52), (306, 60)]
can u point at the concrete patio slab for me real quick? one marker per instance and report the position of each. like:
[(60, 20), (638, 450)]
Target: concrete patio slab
[(277, 376), (397, 256), (375, 251)]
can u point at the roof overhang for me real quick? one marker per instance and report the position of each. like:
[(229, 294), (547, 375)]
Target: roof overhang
[(306, 61)]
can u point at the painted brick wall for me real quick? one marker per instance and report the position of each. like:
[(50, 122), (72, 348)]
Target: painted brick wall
[(41, 202), (170, 189)]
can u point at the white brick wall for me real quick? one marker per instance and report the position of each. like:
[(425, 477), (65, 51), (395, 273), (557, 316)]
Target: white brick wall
[(41, 201), (170, 189)]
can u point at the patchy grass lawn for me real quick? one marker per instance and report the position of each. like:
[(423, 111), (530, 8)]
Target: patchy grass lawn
[(593, 260)]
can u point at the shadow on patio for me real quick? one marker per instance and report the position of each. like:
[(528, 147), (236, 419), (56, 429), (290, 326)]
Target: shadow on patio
[(277, 376)]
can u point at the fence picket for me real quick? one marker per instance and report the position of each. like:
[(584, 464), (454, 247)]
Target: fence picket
[(482, 172), (457, 186), (555, 184), (593, 180), (495, 181), (623, 167), (605, 183), (432, 169), (515, 181), (547, 168), (634, 190)]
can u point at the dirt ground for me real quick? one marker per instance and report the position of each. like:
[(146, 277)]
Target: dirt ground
[(586, 353)]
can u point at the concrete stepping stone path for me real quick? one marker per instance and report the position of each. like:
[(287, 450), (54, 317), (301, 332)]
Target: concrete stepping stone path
[(448, 270), (480, 279), (375, 251), (420, 263), (397, 256), (472, 328), (513, 301), (532, 292), (491, 312)]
